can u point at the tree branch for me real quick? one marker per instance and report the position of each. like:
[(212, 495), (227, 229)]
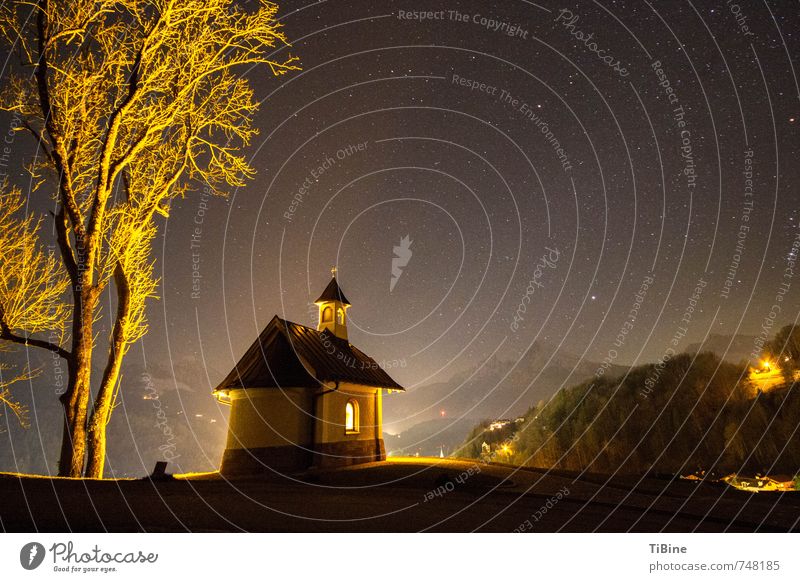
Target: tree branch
[(8, 335), (68, 198), (39, 139), (62, 236)]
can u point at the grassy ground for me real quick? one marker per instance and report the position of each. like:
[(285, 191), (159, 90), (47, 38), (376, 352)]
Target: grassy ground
[(402, 494)]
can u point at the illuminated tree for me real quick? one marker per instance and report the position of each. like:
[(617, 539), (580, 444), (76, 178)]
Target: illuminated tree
[(131, 103), (32, 281), (32, 285)]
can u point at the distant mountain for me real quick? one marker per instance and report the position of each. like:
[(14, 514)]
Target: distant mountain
[(497, 389), (429, 438), (731, 348)]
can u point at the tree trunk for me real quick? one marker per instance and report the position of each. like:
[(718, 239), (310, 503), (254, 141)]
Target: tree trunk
[(75, 401), (104, 401), (101, 413), (76, 398)]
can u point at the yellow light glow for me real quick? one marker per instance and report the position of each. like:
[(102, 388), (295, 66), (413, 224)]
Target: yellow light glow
[(351, 420)]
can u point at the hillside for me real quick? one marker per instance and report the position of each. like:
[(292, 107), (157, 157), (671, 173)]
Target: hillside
[(696, 413)]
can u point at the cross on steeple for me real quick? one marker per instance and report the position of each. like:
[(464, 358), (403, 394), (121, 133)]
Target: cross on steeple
[(333, 271)]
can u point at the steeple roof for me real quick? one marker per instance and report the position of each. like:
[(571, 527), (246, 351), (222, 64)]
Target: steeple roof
[(333, 293)]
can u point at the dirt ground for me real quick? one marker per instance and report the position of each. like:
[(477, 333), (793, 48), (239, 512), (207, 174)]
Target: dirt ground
[(399, 495)]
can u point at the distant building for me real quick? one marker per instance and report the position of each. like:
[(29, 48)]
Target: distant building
[(302, 397), (761, 483), (498, 424), (501, 423)]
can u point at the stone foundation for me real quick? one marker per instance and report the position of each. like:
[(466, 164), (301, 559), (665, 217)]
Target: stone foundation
[(345, 453), (264, 460), (293, 459)]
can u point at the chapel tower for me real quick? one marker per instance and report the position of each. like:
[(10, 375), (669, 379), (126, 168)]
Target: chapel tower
[(333, 309)]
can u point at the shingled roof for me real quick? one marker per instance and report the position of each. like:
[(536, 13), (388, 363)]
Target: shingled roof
[(333, 293), (287, 354)]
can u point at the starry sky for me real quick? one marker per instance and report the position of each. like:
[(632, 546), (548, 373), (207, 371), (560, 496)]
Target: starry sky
[(565, 173)]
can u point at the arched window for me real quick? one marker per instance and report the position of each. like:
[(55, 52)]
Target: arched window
[(340, 315), (327, 315), (351, 417)]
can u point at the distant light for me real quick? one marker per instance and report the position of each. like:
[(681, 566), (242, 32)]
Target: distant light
[(791, 120), (594, 297), (442, 413), (199, 415)]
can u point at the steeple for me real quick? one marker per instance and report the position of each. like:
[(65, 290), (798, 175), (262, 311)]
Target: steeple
[(333, 309)]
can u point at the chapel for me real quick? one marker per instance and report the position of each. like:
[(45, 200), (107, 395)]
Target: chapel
[(304, 397)]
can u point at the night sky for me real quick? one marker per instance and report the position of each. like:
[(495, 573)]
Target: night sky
[(615, 139), (480, 189)]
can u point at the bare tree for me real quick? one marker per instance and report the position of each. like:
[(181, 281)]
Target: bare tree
[(131, 102)]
